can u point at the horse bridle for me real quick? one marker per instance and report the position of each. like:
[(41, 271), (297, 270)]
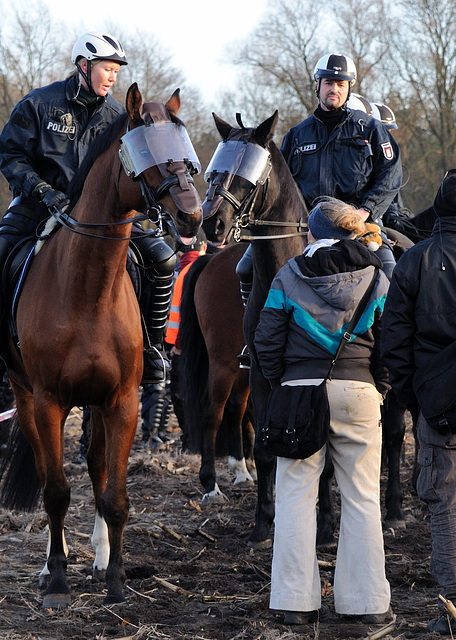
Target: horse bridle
[(154, 212), (243, 209)]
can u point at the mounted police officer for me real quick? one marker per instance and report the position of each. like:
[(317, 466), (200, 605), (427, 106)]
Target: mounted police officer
[(41, 147), (342, 153)]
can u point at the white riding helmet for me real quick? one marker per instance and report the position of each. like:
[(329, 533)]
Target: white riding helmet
[(98, 46), (384, 114), (355, 101), (337, 67)]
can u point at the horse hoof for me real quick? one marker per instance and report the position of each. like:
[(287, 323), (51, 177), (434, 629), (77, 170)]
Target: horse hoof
[(114, 598), (99, 575), (243, 484), (43, 582), (394, 524), (214, 498), (260, 544), (56, 601)]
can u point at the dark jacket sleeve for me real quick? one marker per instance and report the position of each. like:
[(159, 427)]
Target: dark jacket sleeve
[(378, 367), (386, 174), (18, 144), (271, 335), (398, 329)]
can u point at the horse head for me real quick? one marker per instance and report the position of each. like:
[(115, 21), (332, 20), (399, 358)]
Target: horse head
[(156, 150), (238, 176)]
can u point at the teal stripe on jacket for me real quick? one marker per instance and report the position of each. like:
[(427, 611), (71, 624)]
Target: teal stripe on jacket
[(278, 300)]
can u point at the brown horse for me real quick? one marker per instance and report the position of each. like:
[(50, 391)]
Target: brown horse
[(79, 329), (216, 391)]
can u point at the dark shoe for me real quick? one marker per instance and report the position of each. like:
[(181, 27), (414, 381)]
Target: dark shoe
[(156, 364), (244, 358), (82, 457), (442, 626), (379, 618), (304, 617)]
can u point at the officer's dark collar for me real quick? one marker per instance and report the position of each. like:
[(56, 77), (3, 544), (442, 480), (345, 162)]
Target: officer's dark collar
[(75, 91), (330, 118)]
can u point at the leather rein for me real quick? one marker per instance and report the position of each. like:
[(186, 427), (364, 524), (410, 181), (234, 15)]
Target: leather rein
[(243, 209), (154, 212)]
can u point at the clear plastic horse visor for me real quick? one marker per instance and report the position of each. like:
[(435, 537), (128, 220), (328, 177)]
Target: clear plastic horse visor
[(246, 160), (157, 143)]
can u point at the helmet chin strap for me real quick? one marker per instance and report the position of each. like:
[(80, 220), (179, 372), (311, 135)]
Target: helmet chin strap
[(87, 76)]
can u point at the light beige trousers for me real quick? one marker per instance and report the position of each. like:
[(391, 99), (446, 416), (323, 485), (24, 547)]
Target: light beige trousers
[(360, 584)]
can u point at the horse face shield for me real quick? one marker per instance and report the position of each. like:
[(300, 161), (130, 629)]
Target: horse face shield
[(167, 146), (234, 158)]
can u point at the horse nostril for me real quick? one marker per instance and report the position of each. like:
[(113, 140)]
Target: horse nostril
[(220, 228)]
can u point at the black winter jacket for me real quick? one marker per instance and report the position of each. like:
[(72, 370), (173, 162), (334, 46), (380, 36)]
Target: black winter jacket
[(419, 321), (48, 134), (358, 162)]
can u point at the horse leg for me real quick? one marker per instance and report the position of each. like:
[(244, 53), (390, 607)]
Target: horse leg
[(207, 474), (265, 462), (326, 520), (50, 420), (120, 428), (220, 385), (45, 573), (393, 422), (235, 410), (96, 464)]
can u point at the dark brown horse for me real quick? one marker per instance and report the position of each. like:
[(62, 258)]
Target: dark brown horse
[(270, 206), (262, 196), (79, 330)]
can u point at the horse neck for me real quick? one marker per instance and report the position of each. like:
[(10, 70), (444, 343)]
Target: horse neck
[(284, 204), (97, 265)]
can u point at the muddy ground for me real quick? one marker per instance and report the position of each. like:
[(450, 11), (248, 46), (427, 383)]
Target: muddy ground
[(190, 573)]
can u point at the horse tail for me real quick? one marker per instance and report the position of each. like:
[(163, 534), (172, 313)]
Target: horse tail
[(195, 361), (21, 488)]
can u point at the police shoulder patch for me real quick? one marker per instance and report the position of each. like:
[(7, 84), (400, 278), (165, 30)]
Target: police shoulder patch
[(387, 150)]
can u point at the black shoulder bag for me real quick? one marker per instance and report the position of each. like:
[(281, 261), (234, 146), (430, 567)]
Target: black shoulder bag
[(298, 417)]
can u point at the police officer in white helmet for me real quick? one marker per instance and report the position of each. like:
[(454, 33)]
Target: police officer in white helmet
[(41, 147)]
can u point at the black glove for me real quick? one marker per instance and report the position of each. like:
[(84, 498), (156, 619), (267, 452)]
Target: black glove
[(50, 197)]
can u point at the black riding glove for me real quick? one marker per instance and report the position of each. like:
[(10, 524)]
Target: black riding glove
[(50, 197)]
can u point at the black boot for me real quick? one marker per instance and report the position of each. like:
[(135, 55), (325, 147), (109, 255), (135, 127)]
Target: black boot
[(244, 356), (156, 363)]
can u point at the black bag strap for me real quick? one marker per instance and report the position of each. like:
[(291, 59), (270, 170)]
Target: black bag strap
[(353, 322)]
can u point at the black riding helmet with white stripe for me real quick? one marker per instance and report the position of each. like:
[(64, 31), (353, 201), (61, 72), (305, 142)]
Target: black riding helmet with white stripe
[(335, 66)]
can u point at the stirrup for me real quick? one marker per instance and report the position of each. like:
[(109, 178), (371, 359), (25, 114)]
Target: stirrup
[(244, 358), (155, 366)]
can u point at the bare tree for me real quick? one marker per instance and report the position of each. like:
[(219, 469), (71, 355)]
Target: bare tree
[(278, 62)]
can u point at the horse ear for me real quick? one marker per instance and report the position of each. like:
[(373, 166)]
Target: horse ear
[(223, 127), (174, 103), (265, 131), (133, 102)]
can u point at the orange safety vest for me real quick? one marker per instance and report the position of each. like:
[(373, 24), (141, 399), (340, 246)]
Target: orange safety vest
[(174, 314)]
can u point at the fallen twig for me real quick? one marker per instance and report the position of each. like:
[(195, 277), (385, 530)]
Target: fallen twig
[(449, 606), (138, 593), (171, 532), (205, 535), (384, 631), (171, 586)]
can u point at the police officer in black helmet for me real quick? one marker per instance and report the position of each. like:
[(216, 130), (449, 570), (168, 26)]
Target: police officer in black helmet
[(41, 147)]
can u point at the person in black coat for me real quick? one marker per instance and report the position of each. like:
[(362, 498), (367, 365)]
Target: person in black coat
[(418, 345)]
